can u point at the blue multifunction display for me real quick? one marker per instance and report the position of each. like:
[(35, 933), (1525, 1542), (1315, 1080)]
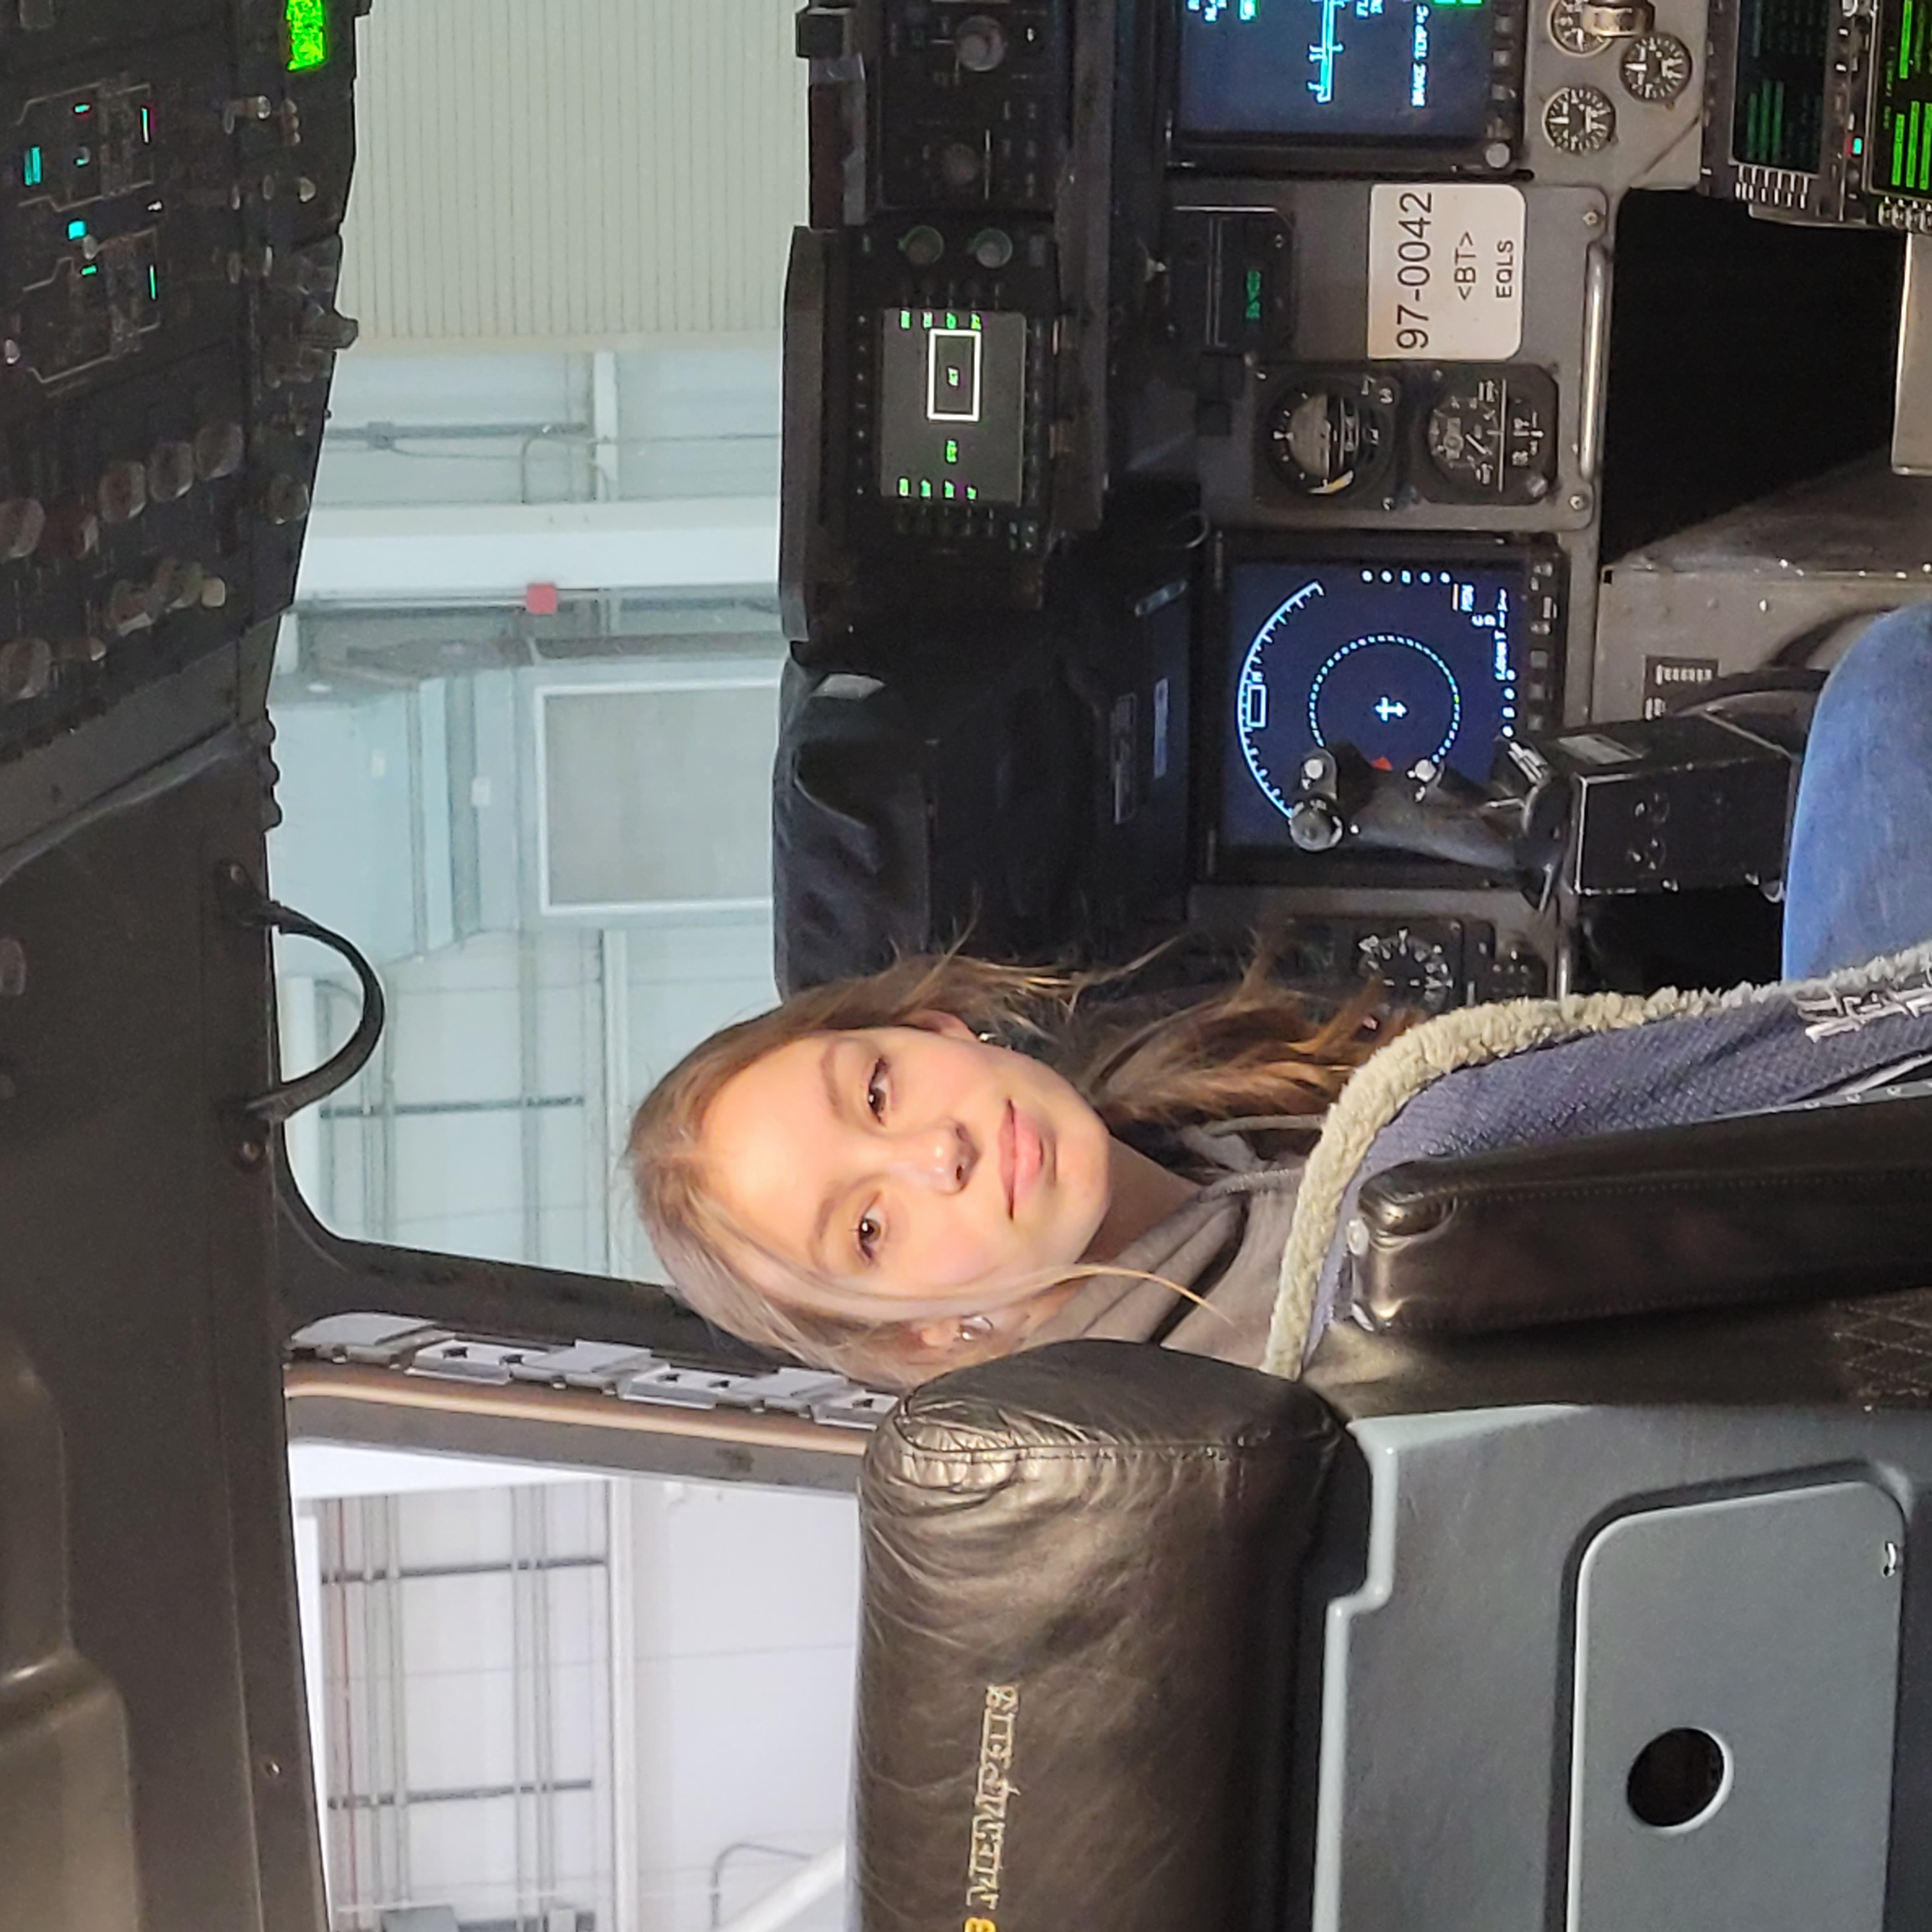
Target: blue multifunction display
[(1403, 662), (1380, 71)]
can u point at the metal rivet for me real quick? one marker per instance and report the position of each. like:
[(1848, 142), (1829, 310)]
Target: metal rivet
[(1894, 1557), (1358, 1237)]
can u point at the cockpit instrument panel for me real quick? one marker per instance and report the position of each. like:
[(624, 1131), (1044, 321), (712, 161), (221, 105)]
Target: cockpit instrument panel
[(1445, 657)]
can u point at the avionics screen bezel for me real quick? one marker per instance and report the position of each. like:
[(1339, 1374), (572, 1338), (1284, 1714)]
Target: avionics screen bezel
[(1493, 152), (1218, 862)]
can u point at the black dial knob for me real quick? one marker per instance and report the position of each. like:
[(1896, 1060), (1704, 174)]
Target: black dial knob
[(923, 245), (1416, 969), (979, 44), (959, 165)]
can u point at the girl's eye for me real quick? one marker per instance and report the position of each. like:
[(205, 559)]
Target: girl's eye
[(872, 1232), (875, 1090)]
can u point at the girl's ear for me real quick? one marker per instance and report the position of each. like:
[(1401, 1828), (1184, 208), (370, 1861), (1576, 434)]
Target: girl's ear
[(953, 1341), (950, 1024)]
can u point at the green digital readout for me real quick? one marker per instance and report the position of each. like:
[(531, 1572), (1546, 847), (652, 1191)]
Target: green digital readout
[(1784, 53), (1899, 159), (308, 34)]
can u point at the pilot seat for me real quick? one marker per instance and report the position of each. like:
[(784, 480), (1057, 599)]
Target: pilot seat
[(1571, 1586)]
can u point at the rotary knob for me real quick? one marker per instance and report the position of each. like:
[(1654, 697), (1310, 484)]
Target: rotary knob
[(26, 669), (979, 44), (991, 248), (123, 494), (922, 246), (22, 519), (285, 499), (171, 470), (959, 165), (218, 450)]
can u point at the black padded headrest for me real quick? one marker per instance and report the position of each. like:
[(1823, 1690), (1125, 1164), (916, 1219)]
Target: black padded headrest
[(1076, 1645)]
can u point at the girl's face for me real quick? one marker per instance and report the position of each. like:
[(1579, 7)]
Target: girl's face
[(908, 1164)]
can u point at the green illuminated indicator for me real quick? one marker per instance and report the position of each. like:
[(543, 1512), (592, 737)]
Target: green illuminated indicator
[(308, 34), (905, 318), (92, 268), (925, 487), (76, 229), (972, 495), (926, 318), (951, 320), (952, 449), (82, 107), (1897, 149), (905, 486), (948, 488), (1858, 144), (1246, 9), (154, 285), (147, 131), (32, 168), (1254, 309), (972, 322), (1905, 40)]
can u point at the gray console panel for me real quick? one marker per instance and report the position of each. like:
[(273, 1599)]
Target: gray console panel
[(1541, 1584)]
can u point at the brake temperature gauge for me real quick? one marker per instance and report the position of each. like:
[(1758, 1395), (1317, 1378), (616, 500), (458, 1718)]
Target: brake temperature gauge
[(1656, 68), (1580, 120)]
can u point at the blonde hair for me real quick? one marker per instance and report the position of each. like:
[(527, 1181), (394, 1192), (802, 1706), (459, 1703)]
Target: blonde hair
[(1255, 1049)]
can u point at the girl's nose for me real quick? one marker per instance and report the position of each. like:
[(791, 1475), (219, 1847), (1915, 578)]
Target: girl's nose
[(941, 1157)]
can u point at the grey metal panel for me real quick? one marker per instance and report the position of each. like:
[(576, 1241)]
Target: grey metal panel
[(1770, 1624), (1738, 589), (1442, 1785), (1912, 424)]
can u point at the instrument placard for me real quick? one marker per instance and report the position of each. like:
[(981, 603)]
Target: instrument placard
[(1445, 271)]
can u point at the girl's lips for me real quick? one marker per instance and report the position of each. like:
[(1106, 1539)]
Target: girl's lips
[(1028, 1156)]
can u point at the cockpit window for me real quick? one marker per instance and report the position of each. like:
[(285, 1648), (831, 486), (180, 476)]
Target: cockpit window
[(526, 701), (544, 1699)]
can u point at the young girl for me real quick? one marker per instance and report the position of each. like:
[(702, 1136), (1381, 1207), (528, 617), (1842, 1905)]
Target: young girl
[(952, 1159)]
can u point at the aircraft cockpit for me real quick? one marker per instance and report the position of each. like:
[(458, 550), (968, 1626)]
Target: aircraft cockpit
[(1418, 509)]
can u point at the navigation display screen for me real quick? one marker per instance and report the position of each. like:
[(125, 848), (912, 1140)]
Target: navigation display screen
[(952, 405), (1403, 662), (1388, 71)]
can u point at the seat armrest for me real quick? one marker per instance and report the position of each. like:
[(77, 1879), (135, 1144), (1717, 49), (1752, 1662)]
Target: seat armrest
[(1817, 1203), (1076, 1641)]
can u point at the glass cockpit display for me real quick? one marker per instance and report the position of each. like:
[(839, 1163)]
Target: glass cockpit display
[(952, 405), (1403, 662), (1382, 71)]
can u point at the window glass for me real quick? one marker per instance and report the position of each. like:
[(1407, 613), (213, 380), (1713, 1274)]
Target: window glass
[(539, 1698), (525, 702)]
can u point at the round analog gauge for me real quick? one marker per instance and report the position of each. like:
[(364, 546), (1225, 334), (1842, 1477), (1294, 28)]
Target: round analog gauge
[(1416, 969), (1323, 439), (1655, 68), (1490, 438), (1580, 120), (1567, 30)]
